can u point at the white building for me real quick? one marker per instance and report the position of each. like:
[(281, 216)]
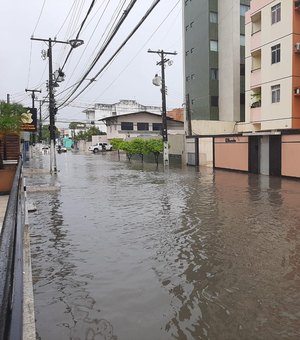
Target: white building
[(99, 111)]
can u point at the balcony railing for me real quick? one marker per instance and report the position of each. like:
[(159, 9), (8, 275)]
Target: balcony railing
[(11, 264)]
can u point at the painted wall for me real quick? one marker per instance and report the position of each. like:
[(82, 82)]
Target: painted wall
[(232, 154), (290, 160), (229, 60)]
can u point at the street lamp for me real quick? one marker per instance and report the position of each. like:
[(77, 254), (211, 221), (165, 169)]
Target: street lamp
[(52, 110)]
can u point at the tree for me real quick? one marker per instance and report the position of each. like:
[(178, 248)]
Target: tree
[(116, 143), (46, 133), (10, 117), (87, 135), (10, 124), (155, 146), (141, 147)]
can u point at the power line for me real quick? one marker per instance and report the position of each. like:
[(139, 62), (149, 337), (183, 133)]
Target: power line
[(139, 51), (104, 47), (80, 29), (38, 21)]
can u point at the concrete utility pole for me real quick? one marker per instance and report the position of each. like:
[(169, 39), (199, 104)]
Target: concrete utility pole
[(33, 98), (52, 109), (162, 62), (8, 98)]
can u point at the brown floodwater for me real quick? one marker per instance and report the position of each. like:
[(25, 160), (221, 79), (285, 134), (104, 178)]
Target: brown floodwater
[(131, 252)]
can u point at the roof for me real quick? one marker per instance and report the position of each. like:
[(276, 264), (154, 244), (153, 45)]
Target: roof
[(137, 113)]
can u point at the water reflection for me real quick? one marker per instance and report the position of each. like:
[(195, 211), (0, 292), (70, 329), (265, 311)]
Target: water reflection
[(65, 302), (130, 252)]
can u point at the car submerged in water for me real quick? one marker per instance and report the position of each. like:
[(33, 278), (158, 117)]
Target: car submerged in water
[(100, 147)]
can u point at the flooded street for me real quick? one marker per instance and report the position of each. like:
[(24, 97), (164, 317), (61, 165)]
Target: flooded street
[(130, 252)]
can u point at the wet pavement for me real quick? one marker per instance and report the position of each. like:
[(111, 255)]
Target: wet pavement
[(131, 252)]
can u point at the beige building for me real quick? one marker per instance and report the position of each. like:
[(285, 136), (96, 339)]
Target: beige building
[(140, 124)]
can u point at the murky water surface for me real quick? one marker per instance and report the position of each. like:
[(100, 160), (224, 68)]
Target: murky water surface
[(134, 253)]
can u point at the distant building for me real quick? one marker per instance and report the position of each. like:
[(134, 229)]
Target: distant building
[(95, 114), (139, 124)]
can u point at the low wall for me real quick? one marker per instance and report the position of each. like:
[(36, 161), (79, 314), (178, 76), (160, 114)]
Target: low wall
[(231, 153)]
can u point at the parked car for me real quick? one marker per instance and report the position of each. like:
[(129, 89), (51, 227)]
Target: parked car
[(100, 147), (61, 148)]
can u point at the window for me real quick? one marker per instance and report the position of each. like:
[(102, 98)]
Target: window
[(214, 101), (143, 126), (276, 13), (214, 74), (275, 93), (157, 126), (275, 54), (242, 40), (242, 69), (126, 126), (242, 98), (213, 45), (243, 10), (213, 17)]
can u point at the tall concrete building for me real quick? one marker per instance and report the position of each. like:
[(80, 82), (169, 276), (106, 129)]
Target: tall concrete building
[(214, 61)]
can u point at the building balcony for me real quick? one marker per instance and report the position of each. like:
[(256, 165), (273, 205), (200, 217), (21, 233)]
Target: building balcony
[(255, 79), (255, 41), (255, 114)]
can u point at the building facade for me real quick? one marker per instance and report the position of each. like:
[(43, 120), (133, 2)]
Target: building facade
[(100, 110), (214, 60), (269, 141), (140, 124)]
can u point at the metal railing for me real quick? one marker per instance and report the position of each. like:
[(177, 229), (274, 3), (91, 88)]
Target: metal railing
[(11, 263)]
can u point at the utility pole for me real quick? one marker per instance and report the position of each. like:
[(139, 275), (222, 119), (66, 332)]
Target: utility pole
[(8, 98), (52, 109), (162, 62), (33, 98), (40, 121)]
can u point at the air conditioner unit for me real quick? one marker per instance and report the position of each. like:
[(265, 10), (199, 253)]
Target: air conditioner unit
[(297, 46)]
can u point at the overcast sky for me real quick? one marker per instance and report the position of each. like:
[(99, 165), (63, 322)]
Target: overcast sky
[(128, 77)]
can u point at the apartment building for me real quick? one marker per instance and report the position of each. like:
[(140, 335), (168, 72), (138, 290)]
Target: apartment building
[(214, 61), (269, 140), (214, 67)]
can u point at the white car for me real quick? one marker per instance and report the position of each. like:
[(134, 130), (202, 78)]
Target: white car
[(100, 147)]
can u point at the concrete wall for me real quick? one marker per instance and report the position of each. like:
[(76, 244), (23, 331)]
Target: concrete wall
[(290, 151), (229, 60), (231, 153)]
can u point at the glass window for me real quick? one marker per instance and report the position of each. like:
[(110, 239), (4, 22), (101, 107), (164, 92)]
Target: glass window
[(243, 9), (157, 126), (276, 13), (143, 126), (214, 74), (126, 126), (242, 69), (275, 54), (213, 45), (213, 17), (214, 101), (275, 93), (242, 40)]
